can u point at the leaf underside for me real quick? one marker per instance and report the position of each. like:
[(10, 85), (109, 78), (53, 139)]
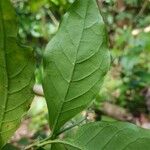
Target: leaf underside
[(108, 136), (75, 62), (16, 74)]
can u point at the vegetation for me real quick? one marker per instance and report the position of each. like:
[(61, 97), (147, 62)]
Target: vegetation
[(82, 114)]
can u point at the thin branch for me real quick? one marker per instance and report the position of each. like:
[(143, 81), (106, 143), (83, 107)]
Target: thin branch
[(36, 144), (55, 21), (116, 112), (145, 4), (70, 127)]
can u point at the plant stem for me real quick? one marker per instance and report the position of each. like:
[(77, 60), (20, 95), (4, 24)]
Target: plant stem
[(70, 127), (48, 141), (36, 144), (145, 4)]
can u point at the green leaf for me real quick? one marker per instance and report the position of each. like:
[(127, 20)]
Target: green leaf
[(75, 62), (109, 136), (16, 74)]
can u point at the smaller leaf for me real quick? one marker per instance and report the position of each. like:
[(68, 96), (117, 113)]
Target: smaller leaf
[(109, 136)]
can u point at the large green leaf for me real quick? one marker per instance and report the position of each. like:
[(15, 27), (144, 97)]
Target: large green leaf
[(16, 74), (109, 136), (75, 62)]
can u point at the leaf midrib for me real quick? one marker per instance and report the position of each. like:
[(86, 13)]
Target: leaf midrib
[(58, 116), (6, 69)]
